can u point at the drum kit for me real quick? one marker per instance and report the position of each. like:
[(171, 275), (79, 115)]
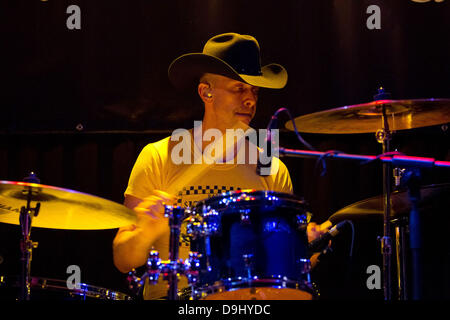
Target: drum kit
[(247, 244)]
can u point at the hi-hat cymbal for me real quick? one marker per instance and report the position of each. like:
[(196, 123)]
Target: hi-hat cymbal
[(430, 196), (367, 117), (62, 208)]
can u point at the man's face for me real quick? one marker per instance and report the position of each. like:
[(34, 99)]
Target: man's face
[(232, 101)]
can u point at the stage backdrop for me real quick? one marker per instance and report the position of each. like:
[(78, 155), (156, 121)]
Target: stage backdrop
[(85, 88)]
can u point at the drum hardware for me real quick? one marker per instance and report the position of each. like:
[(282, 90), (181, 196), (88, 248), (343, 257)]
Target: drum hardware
[(401, 229), (172, 268), (247, 250), (401, 161), (62, 208), (55, 289), (245, 218), (175, 216), (415, 234), (398, 174), (26, 244), (207, 225), (305, 267), (247, 258), (384, 136), (55, 208), (401, 209), (365, 118)]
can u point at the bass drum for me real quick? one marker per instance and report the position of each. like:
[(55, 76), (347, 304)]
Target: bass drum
[(54, 289), (253, 246)]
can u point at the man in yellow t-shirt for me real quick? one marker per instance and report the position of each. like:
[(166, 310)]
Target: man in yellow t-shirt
[(227, 76)]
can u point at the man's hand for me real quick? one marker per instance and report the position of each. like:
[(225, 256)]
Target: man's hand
[(150, 212), (315, 230), (132, 243)]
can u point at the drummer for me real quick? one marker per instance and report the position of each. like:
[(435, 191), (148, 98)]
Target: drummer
[(227, 76)]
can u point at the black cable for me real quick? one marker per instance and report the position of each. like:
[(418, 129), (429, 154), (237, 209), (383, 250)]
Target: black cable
[(275, 117), (322, 158)]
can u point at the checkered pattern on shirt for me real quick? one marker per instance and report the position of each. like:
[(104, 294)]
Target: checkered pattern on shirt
[(208, 191)]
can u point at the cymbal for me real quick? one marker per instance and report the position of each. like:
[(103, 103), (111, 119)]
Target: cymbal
[(400, 204), (367, 117), (62, 208)]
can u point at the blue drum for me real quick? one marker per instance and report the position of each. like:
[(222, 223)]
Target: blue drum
[(252, 246)]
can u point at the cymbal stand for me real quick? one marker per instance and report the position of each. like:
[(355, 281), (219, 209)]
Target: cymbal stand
[(26, 244), (383, 136)]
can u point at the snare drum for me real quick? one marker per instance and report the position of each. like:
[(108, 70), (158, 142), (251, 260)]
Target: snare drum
[(252, 245), (54, 289)]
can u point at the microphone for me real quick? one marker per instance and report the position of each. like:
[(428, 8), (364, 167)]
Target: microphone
[(321, 242), (261, 168)]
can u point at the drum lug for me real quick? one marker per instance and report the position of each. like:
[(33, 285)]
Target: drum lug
[(245, 217), (305, 266), (248, 261), (305, 269), (301, 220), (192, 267), (153, 266), (134, 282), (194, 227)]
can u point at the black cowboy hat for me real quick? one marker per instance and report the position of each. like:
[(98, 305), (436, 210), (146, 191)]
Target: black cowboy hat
[(232, 55)]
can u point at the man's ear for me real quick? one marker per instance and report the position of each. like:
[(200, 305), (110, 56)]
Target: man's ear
[(205, 91)]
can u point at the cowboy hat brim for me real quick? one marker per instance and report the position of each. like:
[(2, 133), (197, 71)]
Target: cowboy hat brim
[(185, 72)]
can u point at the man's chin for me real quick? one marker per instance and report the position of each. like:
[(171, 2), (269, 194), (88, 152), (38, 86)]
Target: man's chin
[(244, 119), (243, 123)]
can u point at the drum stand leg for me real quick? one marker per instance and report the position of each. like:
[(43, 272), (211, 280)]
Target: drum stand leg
[(400, 249), (26, 245)]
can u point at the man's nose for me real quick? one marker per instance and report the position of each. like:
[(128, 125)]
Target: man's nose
[(250, 99)]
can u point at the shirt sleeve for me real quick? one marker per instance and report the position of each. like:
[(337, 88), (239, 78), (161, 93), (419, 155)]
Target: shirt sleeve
[(146, 174), (281, 178)]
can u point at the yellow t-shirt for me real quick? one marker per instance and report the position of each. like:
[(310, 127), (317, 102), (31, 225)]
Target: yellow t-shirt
[(190, 183)]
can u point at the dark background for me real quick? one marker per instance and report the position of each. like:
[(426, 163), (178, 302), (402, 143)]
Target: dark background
[(77, 106)]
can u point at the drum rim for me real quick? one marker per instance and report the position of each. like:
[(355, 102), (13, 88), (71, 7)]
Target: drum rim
[(59, 285), (234, 284), (254, 195)]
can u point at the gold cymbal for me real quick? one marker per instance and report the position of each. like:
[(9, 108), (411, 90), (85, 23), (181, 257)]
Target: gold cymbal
[(367, 117), (62, 208), (431, 195)]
